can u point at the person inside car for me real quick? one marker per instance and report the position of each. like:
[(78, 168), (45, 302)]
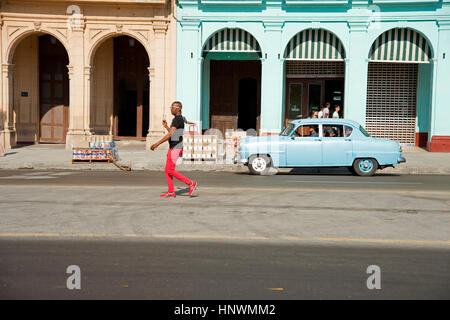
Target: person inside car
[(348, 131)]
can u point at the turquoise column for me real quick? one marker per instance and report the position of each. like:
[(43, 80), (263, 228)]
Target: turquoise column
[(189, 69), (272, 79), (424, 81), (356, 67), (205, 94), (440, 109)]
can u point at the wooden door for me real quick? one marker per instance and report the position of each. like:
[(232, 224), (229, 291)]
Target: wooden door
[(225, 79), (53, 90)]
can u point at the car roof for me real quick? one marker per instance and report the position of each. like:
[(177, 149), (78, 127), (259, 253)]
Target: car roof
[(325, 121)]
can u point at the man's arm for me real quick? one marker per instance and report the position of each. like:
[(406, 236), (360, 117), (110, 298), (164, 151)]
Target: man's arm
[(164, 122), (164, 139)]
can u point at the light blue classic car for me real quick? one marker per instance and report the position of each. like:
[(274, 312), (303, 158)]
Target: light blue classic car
[(320, 143)]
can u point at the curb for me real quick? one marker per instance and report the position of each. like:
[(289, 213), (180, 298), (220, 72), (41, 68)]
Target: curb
[(140, 166)]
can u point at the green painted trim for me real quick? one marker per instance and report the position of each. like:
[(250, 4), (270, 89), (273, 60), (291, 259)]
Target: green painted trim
[(232, 56)]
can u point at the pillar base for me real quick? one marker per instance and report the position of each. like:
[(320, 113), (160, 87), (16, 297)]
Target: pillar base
[(439, 144), (77, 139), (8, 138), (421, 139)]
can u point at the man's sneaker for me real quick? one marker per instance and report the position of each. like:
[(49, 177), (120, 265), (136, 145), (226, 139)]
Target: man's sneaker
[(168, 195), (192, 187)]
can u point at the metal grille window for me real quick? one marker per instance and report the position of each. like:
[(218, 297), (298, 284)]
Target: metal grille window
[(391, 101), (315, 69)]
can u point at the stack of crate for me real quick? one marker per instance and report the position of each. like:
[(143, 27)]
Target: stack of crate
[(200, 147), (232, 138), (99, 148)]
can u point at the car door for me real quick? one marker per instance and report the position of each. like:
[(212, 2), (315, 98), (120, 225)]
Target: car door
[(303, 148), (337, 145)]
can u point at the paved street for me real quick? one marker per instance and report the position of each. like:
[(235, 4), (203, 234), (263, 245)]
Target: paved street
[(290, 236)]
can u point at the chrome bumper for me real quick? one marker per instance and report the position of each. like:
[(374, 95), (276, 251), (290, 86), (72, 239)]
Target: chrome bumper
[(237, 160), (401, 159)]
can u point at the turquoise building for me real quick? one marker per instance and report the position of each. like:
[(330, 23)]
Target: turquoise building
[(257, 64)]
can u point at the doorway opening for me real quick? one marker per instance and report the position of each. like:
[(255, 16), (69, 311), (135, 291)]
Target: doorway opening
[(236, 88), (131, 89), (312, 84), (247, 104)]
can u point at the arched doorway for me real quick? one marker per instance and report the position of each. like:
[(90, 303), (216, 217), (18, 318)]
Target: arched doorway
[(40, 90), (398, 87), (314, 73), (232, 57), (120, 98)]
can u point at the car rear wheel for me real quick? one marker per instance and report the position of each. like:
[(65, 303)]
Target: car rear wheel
[(259, 164), (365, 166)]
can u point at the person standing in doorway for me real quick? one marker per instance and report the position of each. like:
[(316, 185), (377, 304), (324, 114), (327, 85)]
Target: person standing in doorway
[(336, 112), (326, 110), (175, 139), (320, 114)]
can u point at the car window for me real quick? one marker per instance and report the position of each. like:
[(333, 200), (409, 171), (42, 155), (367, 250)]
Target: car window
[(310, 130), (287, 130), (333, 130), (364, 132), (348, 131)]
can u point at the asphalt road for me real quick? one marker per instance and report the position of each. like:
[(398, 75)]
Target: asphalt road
[(288, 236), (111, 269)]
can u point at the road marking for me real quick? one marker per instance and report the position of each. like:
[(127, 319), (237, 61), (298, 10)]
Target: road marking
[(237, 189), (355, 182), (224, 237)]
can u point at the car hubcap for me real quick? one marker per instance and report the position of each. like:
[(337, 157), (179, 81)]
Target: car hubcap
[(366, 165), (259, 164)]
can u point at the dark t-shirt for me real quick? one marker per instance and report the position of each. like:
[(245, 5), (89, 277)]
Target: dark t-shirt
[(176, 140)]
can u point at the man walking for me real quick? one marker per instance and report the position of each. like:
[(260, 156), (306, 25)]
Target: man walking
[(175, 138)]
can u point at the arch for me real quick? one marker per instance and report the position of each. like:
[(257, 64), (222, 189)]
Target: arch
[(16, 41), (237, 40), (113, 34), (430, 49), (317, 44)]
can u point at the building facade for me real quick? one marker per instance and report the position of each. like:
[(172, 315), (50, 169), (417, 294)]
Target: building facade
[(73, 69), (261, 63)]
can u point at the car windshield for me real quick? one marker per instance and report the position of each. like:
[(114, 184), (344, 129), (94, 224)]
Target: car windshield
[(364, 132), (287, 130)]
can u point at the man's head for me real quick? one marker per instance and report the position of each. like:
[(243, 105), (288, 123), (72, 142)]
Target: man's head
[(337, 108), (327, 105), (176, 107)]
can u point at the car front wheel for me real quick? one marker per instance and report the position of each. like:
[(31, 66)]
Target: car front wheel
[(259, 164), (365, 166)]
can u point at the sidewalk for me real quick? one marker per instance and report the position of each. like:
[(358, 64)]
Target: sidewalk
[(133, 154)]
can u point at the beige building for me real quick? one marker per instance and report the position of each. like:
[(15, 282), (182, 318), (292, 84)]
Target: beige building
[(73, 69)]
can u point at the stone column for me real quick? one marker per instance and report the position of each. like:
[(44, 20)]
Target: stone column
[(157, 72), (356, 66), (79, 82), (7, 133)]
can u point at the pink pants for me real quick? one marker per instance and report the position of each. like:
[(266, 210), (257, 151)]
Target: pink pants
[(172, 156)]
